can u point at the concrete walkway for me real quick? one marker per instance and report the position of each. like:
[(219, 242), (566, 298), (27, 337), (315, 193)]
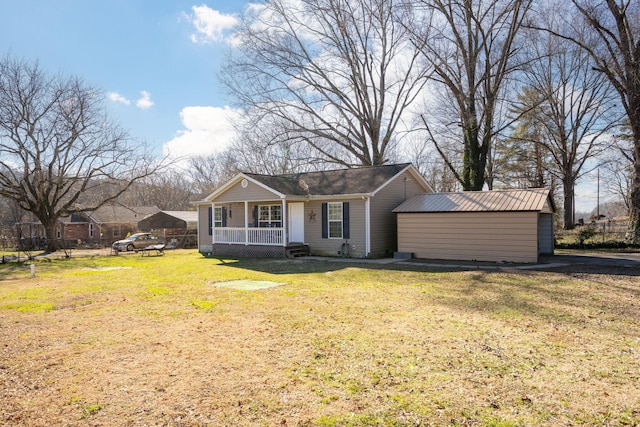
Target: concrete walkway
[(438, 263), (631, 259)]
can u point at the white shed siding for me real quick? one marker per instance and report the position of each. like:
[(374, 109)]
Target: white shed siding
[(481, 236)]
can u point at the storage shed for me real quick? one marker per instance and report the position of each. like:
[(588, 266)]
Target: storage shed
[(179, 228), (503, 225)]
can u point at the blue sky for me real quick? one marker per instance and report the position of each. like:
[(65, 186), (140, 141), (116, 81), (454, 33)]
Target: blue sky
[(155, 60)]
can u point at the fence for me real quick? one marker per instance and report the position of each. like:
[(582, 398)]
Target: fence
[(185, 240), (601, 231)]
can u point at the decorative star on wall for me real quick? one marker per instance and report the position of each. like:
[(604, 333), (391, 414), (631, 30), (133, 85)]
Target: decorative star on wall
[(312, 216)]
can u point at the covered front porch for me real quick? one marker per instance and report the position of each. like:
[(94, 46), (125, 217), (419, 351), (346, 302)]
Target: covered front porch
[(249, 236), (271, 228)]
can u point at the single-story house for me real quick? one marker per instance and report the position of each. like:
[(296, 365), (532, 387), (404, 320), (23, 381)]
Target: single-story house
[(179, 228), (100, 227), (337, 212), (110, 222), (508, 225)]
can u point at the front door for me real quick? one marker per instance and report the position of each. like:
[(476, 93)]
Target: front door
[(296, 222)]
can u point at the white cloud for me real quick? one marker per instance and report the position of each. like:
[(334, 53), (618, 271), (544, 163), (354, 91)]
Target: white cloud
[(116, 97), (208, 131), (145, 100), (210, 24)]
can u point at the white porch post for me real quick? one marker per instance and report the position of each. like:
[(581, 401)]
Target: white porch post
[(213, 223), (284, 222), (367, 225), (246, 223)]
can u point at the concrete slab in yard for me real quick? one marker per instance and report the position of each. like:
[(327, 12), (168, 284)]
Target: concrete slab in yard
[(248, 285)]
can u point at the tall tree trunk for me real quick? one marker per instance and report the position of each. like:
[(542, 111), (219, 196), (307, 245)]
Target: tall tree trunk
[(539, 174), (634, 220), (50, 227), (568, 185), (633, 113), (473, 171)]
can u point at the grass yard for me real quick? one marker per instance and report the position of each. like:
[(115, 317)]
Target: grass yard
[(133, 340)]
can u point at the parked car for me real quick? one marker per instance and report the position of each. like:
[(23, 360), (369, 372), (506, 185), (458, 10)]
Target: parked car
[(136, 241)]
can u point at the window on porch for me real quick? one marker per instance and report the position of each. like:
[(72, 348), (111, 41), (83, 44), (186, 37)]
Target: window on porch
[(217, 216), (270, 216)]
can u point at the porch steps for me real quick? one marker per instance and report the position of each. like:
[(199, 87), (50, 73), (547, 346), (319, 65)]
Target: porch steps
[(297, 250)]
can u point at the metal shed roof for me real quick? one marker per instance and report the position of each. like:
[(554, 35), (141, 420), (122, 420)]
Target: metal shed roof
[(170, 219), (535, 199)]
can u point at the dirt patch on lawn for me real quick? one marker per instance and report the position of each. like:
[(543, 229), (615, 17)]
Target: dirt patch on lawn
[(248, 285)]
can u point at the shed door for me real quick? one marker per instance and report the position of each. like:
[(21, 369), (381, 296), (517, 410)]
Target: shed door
[(296, 222), (545, 234)]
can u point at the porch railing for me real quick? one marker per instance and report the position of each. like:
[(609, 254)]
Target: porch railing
[(249, 236)]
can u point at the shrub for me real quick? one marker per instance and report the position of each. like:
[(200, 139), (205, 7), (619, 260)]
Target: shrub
[(585, 234)]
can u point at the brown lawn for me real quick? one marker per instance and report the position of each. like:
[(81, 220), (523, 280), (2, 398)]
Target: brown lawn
[(102, 341)]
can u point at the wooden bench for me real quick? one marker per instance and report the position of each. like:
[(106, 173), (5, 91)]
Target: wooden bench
[(158, 249)]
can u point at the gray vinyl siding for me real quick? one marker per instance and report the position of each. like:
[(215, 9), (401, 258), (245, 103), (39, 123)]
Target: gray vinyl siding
[(481, 236), (204, 239), (330, 247), (235, 214), (545, 234), (253, 192), (384, 235)]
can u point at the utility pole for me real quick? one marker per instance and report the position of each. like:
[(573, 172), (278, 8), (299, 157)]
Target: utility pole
[(598, 198)]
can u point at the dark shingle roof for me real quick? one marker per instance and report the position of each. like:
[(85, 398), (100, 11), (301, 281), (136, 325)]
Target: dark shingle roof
[(325, 183), (120, 214)]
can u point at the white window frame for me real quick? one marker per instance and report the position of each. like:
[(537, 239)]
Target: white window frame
[(268, 218), (91, 232), (335, 216), (217, 217)]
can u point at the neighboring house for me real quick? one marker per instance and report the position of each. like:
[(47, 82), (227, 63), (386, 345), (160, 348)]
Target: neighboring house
[(337, 212), (179, 228), (509, 225), (97, 228), (113, 222)]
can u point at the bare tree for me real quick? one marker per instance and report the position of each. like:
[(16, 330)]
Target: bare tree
[(264, 145), (618, 170), (56, 144), (615, 26), (472, 49), (10, 214), (338, 75), (208, 172), (573, 104), (170, 190), (430, 165)]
